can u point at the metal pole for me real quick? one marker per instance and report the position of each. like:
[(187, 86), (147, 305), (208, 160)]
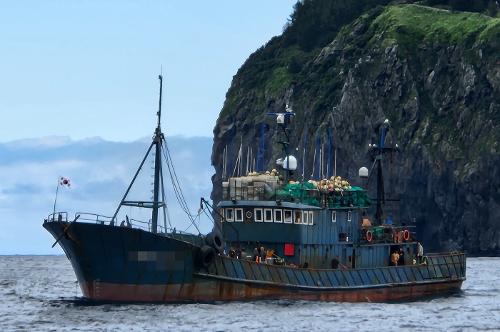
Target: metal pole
[(164, 201), (380, 191), (157, 142), (55, 200), (335, 164), (154, 214), (159, 102)]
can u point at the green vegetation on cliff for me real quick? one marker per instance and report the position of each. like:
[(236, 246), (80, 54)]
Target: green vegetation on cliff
[(411, 25), (315, 24)]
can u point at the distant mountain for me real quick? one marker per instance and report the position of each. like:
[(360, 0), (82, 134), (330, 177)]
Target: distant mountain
[(99, 172), (431, 67)]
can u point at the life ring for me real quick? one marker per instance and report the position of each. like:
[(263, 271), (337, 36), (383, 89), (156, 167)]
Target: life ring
[(406, 235), (369, 236), (248, 214)]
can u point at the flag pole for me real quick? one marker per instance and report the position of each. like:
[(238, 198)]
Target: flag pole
[(55, 200)]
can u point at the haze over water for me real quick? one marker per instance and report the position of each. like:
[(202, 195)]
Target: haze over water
[(39, 293)]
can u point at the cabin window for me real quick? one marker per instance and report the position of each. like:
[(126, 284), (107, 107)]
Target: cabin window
[(334, 216), (229, 215), (257, 215), (238, 215), (268, 215), (311, 217), (349, 218), (278, 215), (305, 217), (288, 216), (298, 217)]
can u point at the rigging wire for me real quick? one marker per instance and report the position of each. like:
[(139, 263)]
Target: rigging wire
[(194, 221), (177, 188), (166, 214), (208, 215)]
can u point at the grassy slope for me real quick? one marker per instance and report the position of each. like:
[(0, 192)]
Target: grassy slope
[(267, 71), (410, 24)]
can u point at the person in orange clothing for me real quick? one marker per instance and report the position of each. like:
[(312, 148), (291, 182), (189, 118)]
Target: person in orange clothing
[(394, 258)]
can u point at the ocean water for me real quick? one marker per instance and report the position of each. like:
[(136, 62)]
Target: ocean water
[(39, 293)]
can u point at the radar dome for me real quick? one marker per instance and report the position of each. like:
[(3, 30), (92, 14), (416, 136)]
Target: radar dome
[(363, 172), (290, 163)]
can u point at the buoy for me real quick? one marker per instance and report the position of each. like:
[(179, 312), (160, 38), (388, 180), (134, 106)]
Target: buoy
[(369, 236), (406, 235)]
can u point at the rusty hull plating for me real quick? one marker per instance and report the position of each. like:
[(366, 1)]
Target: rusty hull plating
[(117, 264)]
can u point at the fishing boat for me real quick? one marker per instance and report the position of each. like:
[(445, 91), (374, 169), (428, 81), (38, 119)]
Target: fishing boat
[(273, 237)]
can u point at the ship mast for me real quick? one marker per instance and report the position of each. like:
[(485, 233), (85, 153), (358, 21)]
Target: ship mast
[(157, 140), (282, 120), (378, 151)]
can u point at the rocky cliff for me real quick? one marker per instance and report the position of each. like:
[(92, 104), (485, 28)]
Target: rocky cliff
[(434, 73)]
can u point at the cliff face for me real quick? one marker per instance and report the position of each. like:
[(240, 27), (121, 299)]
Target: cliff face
[(435, 74)]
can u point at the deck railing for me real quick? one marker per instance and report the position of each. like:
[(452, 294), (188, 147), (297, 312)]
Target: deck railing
[(88, 217), (57, 216), (94, 217)]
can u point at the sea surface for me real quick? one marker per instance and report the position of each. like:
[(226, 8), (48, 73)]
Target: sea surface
[(40, 293)]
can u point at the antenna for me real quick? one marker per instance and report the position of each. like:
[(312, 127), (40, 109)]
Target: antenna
[(261, 150), (160, 77)]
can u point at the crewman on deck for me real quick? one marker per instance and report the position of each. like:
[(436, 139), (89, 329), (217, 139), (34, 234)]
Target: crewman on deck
[(335, 263), (365, 221), (401, 258), (269, 253), (420, 253), (256, 256), (394, 258), (262, 254)]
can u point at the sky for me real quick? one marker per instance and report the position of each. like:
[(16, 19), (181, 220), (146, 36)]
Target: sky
[(79, 93), (89, 68), (99, 172)]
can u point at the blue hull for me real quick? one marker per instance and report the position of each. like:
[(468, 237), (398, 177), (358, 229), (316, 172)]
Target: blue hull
[(130, 265)]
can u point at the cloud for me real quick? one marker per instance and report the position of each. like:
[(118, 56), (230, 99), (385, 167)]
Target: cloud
[(43, 142), (99, 171)]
